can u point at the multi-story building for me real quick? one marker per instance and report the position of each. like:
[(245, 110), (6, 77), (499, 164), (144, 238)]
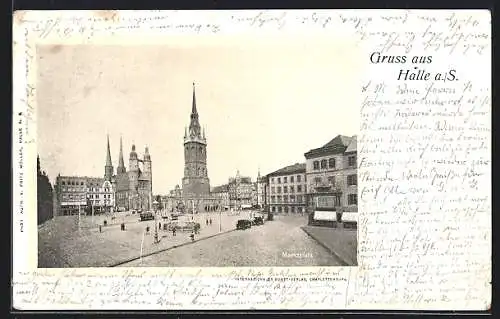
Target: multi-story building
[(331, 172), (173, 201), (222, 194), (241, 191), (260, 187), (287, 189), (100, 194), (83, 194), (71, 194)]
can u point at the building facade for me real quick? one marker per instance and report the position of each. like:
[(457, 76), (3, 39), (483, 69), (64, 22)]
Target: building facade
[(287, 190), (221, 193), (260, 187), (331, 172), (173, 201), (241, 192), (84, 195)]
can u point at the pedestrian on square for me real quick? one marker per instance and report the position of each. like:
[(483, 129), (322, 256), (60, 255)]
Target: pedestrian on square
[(207, 222), (100, 228), (192, 236), (159, 225), (210, 221), (147, 229), (173, 231)]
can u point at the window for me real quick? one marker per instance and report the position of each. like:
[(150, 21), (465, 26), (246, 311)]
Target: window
[(352, 160), (331, 180), (279, 180), (273, 199), (280, 209), (331, 163), (299, 198), (278, 189), (352, 199), (272, 190), (279, 199), (273, 209), (323, 164), (317, 180), (305, 188), (316, 165), (285, 189), (298, 178), (292, 198), (285, 199), (81, 183), (299, 188), (272, 180), (292, 209), (292, 189), (285, 179), (291, 179), (63, 183), (352, 180)]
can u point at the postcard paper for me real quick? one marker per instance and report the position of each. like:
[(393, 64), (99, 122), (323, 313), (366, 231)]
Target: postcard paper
[(301, 159)]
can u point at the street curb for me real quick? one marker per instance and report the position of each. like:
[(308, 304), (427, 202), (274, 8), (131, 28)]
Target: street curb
[(342, 260), (168, 248)]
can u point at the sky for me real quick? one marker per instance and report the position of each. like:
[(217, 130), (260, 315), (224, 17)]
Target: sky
[(263, 102)]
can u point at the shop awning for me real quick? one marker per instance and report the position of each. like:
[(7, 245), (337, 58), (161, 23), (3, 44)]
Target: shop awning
[(325, 215)]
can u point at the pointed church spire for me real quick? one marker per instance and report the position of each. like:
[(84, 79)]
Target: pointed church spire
[(193, 108), (194, 126), (108, 155), (121, 163), (108, 168)]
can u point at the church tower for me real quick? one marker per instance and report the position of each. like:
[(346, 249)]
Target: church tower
[(146, 172), (195, 181), (108, 168), (121, 165), (133, 170), (147, 179)]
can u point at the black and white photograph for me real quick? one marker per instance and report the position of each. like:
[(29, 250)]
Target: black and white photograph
[(227, 153)]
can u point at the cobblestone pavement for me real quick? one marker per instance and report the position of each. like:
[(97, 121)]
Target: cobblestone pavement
[(276, 243), (62, 244)]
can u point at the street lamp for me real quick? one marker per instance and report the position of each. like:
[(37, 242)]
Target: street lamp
[(220, 221), (155, 206)]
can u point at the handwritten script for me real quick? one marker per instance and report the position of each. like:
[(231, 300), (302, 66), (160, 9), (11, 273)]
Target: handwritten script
[(424, 168)]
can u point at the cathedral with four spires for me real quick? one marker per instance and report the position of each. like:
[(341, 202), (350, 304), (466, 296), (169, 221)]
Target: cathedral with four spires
[(132, 188)]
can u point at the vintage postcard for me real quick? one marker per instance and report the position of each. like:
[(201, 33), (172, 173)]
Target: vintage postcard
[(331, 159)]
